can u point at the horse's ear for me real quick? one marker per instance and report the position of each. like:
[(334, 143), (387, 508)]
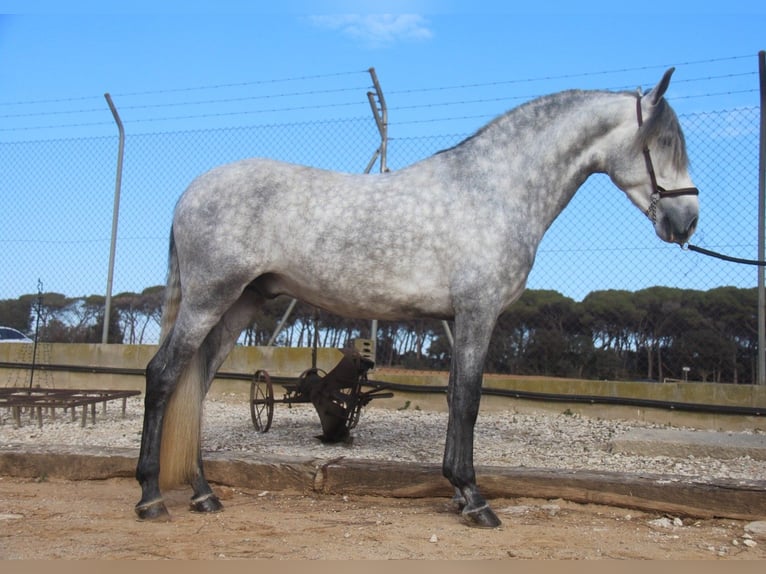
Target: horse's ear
[(656, 93)]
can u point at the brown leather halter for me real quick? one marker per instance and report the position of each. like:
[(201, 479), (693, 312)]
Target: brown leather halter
[(658, 192)]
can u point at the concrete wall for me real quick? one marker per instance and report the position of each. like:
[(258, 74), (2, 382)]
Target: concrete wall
[(52, 358), (290, 362)]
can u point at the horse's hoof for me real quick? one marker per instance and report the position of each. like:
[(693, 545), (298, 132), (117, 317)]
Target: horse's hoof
[(482, 517), (206, 503), (155, 511)]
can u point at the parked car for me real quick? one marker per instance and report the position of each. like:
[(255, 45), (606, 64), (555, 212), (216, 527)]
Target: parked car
[(10, 335)]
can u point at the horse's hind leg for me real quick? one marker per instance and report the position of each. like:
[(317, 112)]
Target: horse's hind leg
[(173, 361), (162, 374), (217, 346), (464, 395)]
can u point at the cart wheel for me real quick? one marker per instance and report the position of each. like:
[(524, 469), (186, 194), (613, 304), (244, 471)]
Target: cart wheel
[(262, 401), (354, 404), (312, 371)]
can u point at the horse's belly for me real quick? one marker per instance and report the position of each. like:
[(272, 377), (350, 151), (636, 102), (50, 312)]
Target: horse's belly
[(363, 298)]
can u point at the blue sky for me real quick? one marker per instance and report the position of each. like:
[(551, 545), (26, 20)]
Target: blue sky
[(49, 53), (446, 67)]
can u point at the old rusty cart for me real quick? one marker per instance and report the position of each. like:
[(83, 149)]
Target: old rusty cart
[(337, 396)]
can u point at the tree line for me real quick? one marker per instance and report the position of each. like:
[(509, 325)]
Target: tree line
[(653, 334)]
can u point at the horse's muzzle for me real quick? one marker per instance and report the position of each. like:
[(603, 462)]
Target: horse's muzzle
[(675, 229)]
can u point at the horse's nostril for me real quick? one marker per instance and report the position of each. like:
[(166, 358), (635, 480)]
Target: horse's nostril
[(675, 231)]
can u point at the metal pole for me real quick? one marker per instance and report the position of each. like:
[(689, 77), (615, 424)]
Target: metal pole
[(761, 225), (372, 161), (448, 334), (115, 216), (38, 311), (282, 322), (381, 120)]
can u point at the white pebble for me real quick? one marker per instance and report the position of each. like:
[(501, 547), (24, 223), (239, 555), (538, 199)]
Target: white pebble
[(757, 528), (506, 439), (663, 522)]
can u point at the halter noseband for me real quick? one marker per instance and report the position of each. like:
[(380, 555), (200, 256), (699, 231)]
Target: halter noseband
[(658, 192)]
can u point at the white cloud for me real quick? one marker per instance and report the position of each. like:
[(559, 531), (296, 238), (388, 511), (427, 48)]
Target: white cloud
[(378, 29)]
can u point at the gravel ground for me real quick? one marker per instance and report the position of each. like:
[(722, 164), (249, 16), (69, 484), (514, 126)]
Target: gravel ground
[(537, 440)]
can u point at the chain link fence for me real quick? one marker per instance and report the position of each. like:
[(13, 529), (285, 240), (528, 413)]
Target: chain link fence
[(58, 200)]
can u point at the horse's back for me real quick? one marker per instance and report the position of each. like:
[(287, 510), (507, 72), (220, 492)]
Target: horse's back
[(268, 196)]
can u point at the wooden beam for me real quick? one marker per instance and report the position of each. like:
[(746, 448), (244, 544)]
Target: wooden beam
[(676, 495)]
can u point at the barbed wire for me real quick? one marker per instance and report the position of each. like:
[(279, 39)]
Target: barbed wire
[(568, 76), (189, 103), (315, 107), (323, 92), (340, 74), (185, 89)]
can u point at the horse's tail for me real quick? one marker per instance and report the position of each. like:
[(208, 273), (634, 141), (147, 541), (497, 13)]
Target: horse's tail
[(180, 447)]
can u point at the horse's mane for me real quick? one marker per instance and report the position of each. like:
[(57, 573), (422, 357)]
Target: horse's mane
[(557, 100), (662, 126)]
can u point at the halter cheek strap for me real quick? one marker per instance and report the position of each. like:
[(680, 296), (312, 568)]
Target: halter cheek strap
[(658, 192)]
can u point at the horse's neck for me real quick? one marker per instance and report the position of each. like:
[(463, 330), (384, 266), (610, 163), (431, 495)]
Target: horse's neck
[(544, 151), (569, 131)]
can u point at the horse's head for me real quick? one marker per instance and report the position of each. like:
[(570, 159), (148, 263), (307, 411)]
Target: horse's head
[(653, 167)]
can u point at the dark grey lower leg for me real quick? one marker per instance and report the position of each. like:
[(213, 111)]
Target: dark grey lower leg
[(161, 378), (217, 346), (463, 397), (151, 505), (204, 499)]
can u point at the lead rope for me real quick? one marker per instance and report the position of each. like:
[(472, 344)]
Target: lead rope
[(717, 255)]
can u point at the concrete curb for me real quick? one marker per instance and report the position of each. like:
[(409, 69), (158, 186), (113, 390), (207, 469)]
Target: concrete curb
[(743, 500), (684, 443)]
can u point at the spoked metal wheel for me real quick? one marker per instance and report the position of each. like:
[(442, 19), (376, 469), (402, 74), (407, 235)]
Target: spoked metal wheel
[(262, 401), (313, 372), (351, 400)]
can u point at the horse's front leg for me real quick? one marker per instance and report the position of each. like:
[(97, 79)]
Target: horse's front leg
[(464, 395)]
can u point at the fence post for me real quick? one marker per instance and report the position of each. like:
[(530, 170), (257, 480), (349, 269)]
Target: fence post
[(281, 323), (38, 310), (115, 217), (761, 374), (381, 120)]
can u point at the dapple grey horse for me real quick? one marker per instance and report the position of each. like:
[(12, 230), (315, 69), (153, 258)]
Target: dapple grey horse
[(451, 237)]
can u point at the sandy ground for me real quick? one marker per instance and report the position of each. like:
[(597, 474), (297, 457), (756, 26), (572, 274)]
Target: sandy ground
[(57, 519)]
